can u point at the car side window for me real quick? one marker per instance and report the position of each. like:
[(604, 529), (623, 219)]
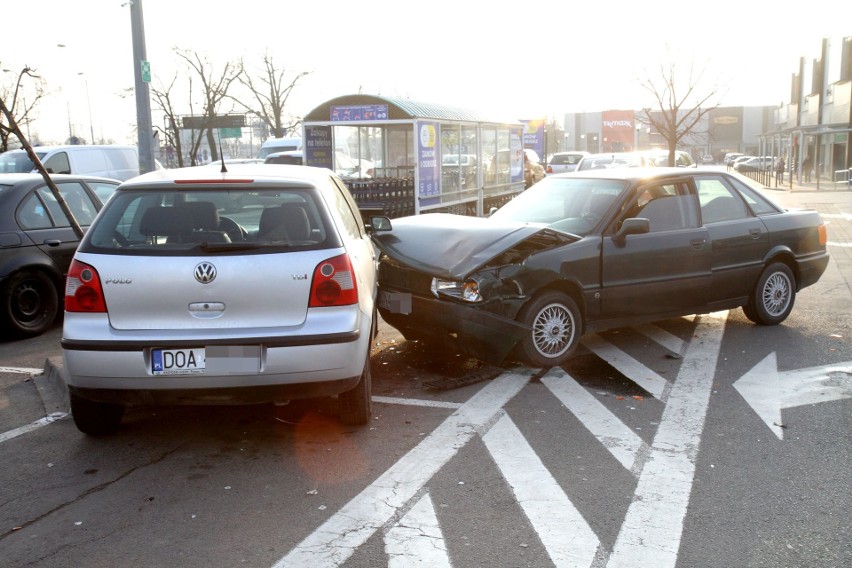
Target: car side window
[(348, 211), (58, 164), (32, 214), (78, 201), (718, 202), (667, 207)]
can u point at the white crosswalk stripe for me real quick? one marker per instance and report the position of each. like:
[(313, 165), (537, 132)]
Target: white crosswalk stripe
[(417, 540), (646, 378), (550, 511), (622, 442)]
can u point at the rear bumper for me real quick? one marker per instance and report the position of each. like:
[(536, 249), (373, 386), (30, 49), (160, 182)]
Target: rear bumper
[(223, 396), (811, 269), (287, 368)]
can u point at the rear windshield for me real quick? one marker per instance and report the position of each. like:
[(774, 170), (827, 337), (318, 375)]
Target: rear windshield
[(565, 159), (192, 222)]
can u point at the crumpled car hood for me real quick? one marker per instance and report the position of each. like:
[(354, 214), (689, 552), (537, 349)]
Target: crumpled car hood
[(452, 247)]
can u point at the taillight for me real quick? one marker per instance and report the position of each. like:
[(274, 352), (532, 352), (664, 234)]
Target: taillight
[(822, 231), (83, 291), (334, 283)]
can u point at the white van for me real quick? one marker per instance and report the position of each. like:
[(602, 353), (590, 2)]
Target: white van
[(109, 161), (274, 145)]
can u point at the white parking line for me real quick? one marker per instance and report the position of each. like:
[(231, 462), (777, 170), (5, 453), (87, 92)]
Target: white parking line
[(338, 537), (563, 531), (416, 402), (653, 526), (49, 419), (612, 433), (668, 340), (22, 370), (417, 539), (628, 366)]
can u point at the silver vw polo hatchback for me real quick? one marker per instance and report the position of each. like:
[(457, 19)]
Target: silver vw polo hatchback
[(169, 300)]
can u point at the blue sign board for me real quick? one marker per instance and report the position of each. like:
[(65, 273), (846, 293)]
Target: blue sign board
[(359, 112), (318, 147), (428, 167)]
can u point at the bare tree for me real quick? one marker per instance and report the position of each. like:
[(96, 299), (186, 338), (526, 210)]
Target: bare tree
[(270, 92), (163, 98), (19, 107), (680, 105), (214, 90)]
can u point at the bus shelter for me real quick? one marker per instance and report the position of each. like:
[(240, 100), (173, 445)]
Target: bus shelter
[(402, 157)]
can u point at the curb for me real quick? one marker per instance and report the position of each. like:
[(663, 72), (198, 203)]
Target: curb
[(51, 387)]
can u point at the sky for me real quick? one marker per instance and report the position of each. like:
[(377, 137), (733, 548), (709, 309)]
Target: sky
[(522, 60)]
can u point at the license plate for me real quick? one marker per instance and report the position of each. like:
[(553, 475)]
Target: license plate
[(395, 302), (178, 361)]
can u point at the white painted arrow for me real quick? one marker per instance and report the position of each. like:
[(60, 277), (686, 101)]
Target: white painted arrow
[(768, 392)]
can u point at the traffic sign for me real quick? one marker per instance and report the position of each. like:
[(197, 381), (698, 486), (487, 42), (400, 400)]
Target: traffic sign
[(146, 71)]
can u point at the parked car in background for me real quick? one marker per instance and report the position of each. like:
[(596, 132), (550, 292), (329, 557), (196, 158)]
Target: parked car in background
[(583, 252), (681, 159), (615, 160), (37, 243), (290, 157), (533, 169), (109, 161), (738, 160), (562, 162), (169, 301), (708, 160), (730, 157), (756, 164)]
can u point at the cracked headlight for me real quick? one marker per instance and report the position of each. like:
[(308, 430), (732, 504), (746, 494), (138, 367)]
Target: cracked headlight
[(467, 291)]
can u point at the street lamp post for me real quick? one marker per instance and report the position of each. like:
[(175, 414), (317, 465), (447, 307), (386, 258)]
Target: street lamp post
[(89, 105)]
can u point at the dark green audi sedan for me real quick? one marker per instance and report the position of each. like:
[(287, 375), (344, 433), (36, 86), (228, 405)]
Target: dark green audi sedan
[(584, 252)]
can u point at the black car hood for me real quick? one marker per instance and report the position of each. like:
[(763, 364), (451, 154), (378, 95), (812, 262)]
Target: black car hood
[(452, 247)]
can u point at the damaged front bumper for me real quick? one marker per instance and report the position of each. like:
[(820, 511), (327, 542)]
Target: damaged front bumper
[(477, 332)]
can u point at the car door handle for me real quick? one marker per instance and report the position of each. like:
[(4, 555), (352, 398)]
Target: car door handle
[(52, 242), (755, 233), (698, 243)]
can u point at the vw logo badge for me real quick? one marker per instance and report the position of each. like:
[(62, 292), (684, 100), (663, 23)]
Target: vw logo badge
[(205, 272)]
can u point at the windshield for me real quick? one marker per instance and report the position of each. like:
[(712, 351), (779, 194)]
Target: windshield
[(17, 162), (612, 161), (571, 205)]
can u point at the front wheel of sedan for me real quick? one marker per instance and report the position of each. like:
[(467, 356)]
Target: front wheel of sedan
[(555, 326), (29, 304), (95, 418), (773, 296)]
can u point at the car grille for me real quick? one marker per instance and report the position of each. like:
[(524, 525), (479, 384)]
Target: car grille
[(393, 275)]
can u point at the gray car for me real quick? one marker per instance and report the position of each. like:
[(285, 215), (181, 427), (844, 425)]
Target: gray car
[(171, 301), (37, 242)]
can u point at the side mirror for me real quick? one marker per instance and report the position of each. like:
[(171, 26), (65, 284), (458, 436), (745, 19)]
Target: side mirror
[(492, 211), (379, 223), (633, 226)]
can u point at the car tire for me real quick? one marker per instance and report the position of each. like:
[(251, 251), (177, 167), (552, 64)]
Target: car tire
[(773, 296), (95, 418), (29, 304), (356, 405), (555, 326)]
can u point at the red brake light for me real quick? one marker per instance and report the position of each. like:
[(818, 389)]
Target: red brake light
[(333, 283), (83, 292)]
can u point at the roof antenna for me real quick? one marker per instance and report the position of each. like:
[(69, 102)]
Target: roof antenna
[(224, 170)]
